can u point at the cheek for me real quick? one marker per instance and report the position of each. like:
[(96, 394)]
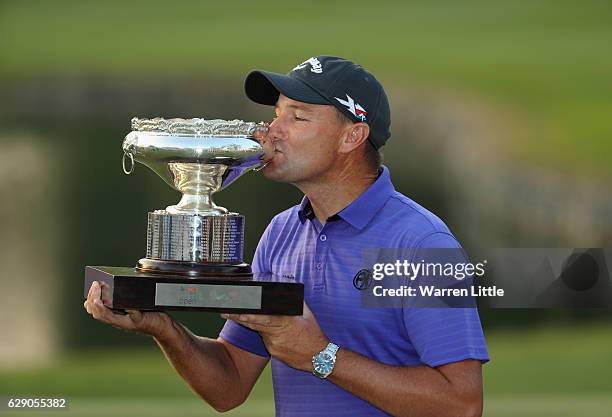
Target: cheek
[(310, 143), (324, 145)]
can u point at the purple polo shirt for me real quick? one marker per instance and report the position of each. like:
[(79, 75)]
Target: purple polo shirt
[(326, 258)]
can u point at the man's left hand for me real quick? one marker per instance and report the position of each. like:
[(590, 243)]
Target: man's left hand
[(293, 340)]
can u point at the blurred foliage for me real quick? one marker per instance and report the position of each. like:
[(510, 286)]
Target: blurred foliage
[(546, 62)]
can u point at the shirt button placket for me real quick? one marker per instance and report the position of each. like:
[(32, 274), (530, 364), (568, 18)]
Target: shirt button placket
[(321, 258)]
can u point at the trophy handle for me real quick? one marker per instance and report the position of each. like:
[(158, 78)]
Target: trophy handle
[(125, 170), (260, 167)]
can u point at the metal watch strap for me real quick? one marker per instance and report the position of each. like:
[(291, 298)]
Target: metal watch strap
[(332, 348)]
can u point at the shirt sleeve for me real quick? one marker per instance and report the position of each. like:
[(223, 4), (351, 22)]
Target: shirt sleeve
[(241, 336), (444, 335)]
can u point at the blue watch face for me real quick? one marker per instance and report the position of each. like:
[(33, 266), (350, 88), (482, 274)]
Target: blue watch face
[(324, 364)]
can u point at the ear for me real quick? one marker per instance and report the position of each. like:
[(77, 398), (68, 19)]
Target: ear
[(355, 135)]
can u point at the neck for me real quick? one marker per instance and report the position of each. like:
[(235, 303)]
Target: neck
[(337, 189)]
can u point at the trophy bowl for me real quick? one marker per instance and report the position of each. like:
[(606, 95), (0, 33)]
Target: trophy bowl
[(197, 157)]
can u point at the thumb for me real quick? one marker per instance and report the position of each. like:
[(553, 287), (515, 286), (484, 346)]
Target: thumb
[(306, 311), (135, 315)]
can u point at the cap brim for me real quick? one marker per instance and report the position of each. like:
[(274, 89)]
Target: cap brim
[(264, 87)]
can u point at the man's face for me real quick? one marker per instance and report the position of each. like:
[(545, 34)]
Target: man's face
[(302, 142)]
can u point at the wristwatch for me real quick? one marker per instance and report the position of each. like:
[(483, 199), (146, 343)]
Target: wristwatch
[(324, 361)]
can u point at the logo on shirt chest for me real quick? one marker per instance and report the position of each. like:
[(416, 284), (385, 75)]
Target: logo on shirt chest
[(362, 279), (288, 276)]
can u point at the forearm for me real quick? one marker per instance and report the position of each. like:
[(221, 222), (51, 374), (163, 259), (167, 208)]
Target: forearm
[(405, 391), (204, 364)]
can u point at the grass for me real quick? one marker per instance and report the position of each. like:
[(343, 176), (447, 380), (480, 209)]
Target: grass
[(548, 61), (551, 360), (552, 371), (547, 406), (102, 407), (497, 406)]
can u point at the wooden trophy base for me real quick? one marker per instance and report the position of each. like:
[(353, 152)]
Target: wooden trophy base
[(234, 292)]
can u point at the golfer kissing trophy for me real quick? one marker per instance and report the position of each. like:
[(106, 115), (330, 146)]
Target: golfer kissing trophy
[(194, 258)]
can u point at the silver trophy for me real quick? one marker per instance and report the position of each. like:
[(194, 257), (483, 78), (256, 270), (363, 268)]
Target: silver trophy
[(195, 240), (198, 158)]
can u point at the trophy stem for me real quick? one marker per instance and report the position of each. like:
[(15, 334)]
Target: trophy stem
[(197, 182), (201, 204)]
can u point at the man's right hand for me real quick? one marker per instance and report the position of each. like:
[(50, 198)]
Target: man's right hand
[(219, 372), (151, 323)]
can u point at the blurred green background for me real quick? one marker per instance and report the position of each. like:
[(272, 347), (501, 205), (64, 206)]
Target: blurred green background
[(501, 125)]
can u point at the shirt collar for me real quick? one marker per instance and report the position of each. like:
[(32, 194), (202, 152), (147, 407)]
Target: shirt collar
[(361, 210)]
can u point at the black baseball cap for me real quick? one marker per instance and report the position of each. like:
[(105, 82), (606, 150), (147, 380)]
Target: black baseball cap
[(328, 80)]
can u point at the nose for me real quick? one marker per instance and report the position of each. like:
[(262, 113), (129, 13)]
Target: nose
[(277, 129)]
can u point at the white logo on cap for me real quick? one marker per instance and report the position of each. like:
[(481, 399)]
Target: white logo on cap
[(353, 107), (314, 63)]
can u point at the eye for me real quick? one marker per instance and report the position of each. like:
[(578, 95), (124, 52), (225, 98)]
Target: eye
[(299, 119)]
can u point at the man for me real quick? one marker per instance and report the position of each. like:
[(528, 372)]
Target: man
[(339, 358)]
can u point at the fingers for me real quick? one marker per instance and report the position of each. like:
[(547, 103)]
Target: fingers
[(257, 322), (94, 291), (100, 312), (105, 292), (135, 315), (92, 294), (306, 311)]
